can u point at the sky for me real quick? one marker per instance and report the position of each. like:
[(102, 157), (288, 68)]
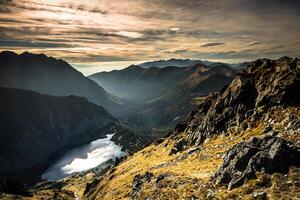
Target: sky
[(102, 35)]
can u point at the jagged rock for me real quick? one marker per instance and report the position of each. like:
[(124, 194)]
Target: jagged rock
[(138, 182), (178, 146), (268, 154), (263, 84)]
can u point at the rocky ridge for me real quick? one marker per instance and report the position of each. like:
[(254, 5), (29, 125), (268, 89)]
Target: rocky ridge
[(262, 85)]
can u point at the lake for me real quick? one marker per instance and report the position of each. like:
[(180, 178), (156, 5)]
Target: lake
[(83, 158)]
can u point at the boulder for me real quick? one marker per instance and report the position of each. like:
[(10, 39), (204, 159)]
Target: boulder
[(267, 154)]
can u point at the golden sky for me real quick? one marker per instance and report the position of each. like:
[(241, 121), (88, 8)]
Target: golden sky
[(98, 35)]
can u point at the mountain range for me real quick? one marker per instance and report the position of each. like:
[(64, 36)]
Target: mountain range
[(164, 95), (179, 63)]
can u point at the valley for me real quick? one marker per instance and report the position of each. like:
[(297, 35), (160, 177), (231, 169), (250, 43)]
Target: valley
[(164, 96), (195, 158), (149, 100)]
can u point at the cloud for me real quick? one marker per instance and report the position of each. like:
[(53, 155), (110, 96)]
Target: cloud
[(129, 34), (130, 30), (254, 43), (174, 29), (29, 44), (212, 44)]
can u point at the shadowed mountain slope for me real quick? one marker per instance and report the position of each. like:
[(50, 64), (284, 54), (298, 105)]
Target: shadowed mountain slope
[(48, 75), (34, 126), (35, 129)]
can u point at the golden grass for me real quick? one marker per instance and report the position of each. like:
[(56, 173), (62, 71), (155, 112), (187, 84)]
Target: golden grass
[(189, 174)]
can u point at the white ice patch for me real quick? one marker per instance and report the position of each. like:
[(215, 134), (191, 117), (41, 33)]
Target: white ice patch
[(83, 158)]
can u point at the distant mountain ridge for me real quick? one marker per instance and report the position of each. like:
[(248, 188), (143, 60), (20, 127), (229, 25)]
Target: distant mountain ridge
[(142, 85), (48, 75), (165, 95), (178, 63)]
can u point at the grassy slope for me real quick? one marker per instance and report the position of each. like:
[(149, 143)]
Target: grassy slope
[(189, 174)]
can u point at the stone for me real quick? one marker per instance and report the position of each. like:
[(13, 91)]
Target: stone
[(210, 194), (260, 195), (138, 182), (267, 154), (178, 146)]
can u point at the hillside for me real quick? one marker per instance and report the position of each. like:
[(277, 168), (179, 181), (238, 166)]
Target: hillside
[(48, 75), (35, 129)]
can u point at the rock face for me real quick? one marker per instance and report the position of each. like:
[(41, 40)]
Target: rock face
[(268, 154), (34, 126), (263, 84)]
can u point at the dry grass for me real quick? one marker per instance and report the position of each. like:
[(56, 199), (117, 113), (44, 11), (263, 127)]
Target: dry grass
[(188, 175)]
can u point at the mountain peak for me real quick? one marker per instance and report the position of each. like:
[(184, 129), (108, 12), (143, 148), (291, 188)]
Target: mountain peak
[(8, 53)]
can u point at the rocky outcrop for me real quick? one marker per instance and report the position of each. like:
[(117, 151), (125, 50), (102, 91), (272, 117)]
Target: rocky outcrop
[(263, 84), (138, 182), (267, 154)]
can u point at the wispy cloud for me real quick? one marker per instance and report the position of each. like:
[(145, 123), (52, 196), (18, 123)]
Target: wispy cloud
[(130, 30), (212, 44)]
